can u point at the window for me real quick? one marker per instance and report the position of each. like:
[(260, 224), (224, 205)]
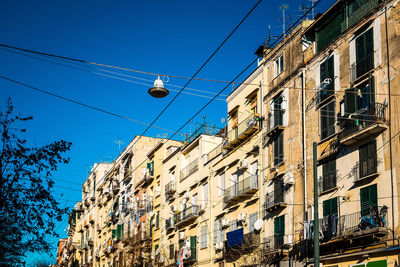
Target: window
[(279, 189), (279, 230), (328, 120), (327, 72), (330, 207), (204, 193), (216, 231), (368, 159), (203, 237), (193, 250), (234, 225), (156, 248), (277, 111), (158, 220), (171, 251), (364, 53), (221, 184), (278, 150), (128, 229), (252, 220), (328, 175), (360, 97), (369, 199), (278, 65)]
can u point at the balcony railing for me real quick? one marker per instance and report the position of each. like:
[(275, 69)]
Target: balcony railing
[(275, 122), (275, 200), (202, 129), (276, 242), (363, 123), (365, 168), (169, 224), (190, 169), (245, 128), (370, 221), (188, 214), (170, 189), (241, 188), (327, 182), (362, 66), (213, 154), (128, 173)]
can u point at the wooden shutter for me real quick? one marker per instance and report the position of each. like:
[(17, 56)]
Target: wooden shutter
[(330, 207), (278, 190), (350, 101), (381, 263), (193, 243), (369, 198), (158, 219)]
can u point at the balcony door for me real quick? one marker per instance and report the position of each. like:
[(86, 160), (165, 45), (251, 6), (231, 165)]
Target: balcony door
[(234, 184), (278, 190), (368, 159), (253, 174), (279, 231)]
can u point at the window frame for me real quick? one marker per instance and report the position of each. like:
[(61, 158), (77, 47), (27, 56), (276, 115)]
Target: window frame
[(328, 117)]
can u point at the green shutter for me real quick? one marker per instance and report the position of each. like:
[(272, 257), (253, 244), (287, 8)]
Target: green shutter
[(381, 263), (113, 233), (193, 251), (330, 207), (369, 198)]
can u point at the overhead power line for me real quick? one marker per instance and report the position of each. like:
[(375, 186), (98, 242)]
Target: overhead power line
[(85, 105)]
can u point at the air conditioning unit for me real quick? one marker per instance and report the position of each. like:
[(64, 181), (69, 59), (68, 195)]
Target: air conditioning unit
[(242, 217), (219, 245), (243, 164), (186, 195), (225, 222), (203, 206), (289, 239), (252, 122), (181, 235), (289, 178)]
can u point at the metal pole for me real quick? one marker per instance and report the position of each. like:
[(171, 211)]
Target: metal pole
[(316, 217)]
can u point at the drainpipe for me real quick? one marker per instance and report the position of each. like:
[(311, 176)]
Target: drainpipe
[(262, 135), (390, 121), (303, 125)]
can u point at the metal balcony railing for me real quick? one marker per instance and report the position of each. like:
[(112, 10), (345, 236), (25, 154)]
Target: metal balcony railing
[(365, 168), (370, 220), (357, 11), (241, 188), (362, 66), (247, 126), (169, 223), (275, 121), (202, 129), (190, 169), (170, 188), (274, 242), (363, 119), (188, 214), (213, 154), (274, 199), (327, 182)]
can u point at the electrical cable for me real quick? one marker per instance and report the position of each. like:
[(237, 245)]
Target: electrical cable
[(86, 105)]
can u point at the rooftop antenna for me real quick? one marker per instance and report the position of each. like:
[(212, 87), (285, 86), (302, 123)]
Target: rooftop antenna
[(304, 9), (119, 142), (283, 8), (312, 8)]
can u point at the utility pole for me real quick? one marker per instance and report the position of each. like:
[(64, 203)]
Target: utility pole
[(316, 216), (283, 7)]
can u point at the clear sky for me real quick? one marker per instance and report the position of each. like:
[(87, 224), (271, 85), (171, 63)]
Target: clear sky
[(170, 37)]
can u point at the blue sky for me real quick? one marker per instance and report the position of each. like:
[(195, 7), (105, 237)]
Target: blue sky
[(169, 37)]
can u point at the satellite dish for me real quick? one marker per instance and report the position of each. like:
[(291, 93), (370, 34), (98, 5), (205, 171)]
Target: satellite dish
[(258, 224)]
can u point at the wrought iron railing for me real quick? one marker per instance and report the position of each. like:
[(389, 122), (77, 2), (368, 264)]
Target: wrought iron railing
[(275, 120), (170, 188), (362, 66), (327, 182), (357, 11), (190, 169), (241, 187), (251, 121), (202, 129), (188, 213), (169, 223), (213, 153), (371, 115), (274, 198), (274, 242)]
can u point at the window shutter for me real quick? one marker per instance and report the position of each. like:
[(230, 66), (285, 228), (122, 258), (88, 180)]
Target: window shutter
[(158, 219), (114, 233), (350, 101), (193, 242), (216, 231), (369, 198)]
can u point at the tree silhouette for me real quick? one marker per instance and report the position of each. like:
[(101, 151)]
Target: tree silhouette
[(28, 209)]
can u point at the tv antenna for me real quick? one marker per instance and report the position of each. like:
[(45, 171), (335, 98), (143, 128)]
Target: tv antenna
[(283, 8), (312, 8)]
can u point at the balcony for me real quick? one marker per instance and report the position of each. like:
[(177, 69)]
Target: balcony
[(187, 215), (327, 183), (277, 244), (212, 154), (128, 173), (363, 124), (86, 202), (202, 129), (115, 187), (170, 224), (357, 12), (361, 66), (275, 123), (246, 128), (170, 189), (92, 195), (191, 168), (146, 179), (274, 200), (241, 189), (366, 169), (141, 237), (353, 226)]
